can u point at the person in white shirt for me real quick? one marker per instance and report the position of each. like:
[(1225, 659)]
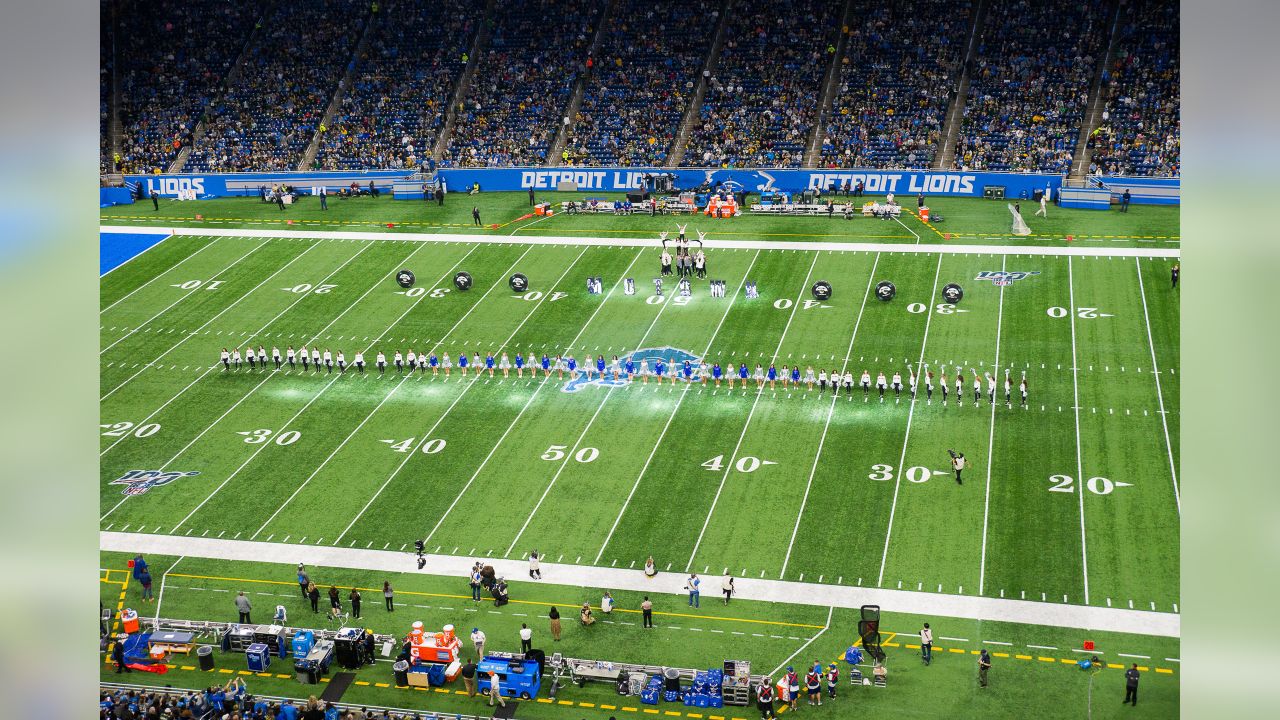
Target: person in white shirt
[(865, 382), (477, 640), (881, 385), (1022, 387), (977, 387), (248, 353), (928, 385), (991, 388), (359, 362), (328, 361), (495, 690), (342, 362), (291, 356), (535, 566), (848, 384), (959, 386), (275, 356), (412, 361), (703, 373), (526, 638), (822, 381), (758, 376), (726, 587), (926, 644), (644, 371), (304, 356), (399, 361), (1044, 199), (504, 364), (616, 368), (382, 363), (897, 384), (606, 603), (447, 364), (809, 377), (226, 359), (911, 380), (315, 358), (1008, 390), (262, 357)]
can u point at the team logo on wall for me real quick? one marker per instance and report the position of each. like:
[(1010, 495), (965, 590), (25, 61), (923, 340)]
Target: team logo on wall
[(999, 278), (673, 358), (137, 482)]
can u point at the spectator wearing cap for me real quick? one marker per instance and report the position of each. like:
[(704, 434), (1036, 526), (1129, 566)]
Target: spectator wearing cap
[(477, 640)]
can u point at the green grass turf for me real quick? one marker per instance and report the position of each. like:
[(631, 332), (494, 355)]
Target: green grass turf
[(967, 220), (1026, 680), (845, 491)]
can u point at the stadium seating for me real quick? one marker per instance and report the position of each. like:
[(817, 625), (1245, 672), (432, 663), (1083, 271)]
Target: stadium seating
[(268, 116), (523, 83), (900, 68), (1141, 134), (173, 58), (1030, 84), (762, 99), (391, 115), (649, 65)]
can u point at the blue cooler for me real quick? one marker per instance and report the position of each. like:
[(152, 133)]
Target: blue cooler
[(258, 656), (649, 696), (303, 641)]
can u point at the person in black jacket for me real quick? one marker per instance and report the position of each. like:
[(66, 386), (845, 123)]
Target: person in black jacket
[(313, 594), (1131, 684), (117, 654), (155, 199)]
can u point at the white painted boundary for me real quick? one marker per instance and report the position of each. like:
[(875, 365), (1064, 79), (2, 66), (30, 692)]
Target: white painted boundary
[(1141, 622), (651, 241)]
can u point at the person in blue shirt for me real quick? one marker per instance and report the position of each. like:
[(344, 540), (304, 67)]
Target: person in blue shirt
[(573, 366), (488, 363), (462, 364), (434, 362), (717, 373), (600, 365), (795, 375), (659, 368), (743, 373), (631, 368), (773, 376), (519, 365), (688, 371), (546, 365), (288, 711)]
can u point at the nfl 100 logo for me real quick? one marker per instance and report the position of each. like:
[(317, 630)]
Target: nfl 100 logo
[(999, 278), (137, 482)]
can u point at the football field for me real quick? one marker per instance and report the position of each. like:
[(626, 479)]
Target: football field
[(1072, 498)]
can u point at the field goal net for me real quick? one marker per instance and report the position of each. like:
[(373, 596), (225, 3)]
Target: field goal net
[(1019, 225)]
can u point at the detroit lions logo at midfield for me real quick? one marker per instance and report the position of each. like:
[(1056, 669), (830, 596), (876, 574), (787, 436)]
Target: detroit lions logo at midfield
[(137, 482), (673, 358), (1002, 277)]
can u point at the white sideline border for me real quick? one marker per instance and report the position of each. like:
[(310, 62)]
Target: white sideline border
[(1140, 622), (650, 242)]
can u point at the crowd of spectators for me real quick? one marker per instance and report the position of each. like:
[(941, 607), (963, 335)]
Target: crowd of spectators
[(106, 70), (391, 115), (268, 116), (762, 98), (522, 85), (1140, 133), (897, 77), (234, 702), (174, 56), (649, 64), (1030, 84)]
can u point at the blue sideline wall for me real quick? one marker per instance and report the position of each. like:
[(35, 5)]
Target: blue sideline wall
[(904, 183)]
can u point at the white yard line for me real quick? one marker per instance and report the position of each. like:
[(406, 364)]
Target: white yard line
[(1155, 370), (318, 395), (163, 578), (156, 277), (1075, 386), (582, 436), (747, 425), (206, 324), (913, 232), (1098, 619), (529, 402), (184, 296), (426, 437), (721, 244), (212, 367), (830, 611), (991, 439), (683, 394), (897, 480), (822, 440)]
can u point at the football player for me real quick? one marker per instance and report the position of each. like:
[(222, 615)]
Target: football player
[(275, 356), (342, 362), (291, 356), (881, 385), (504, 365), (226, 359), (897, 385)]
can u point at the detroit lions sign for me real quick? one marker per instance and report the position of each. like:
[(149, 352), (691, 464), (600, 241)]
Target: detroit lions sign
[(673, 358), (137, 482), (999, 278)]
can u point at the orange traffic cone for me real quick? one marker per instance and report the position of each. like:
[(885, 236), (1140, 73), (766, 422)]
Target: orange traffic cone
[(1070, 238)]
